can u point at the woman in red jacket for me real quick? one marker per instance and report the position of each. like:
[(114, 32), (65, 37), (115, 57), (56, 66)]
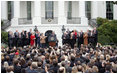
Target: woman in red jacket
[(32, 39)]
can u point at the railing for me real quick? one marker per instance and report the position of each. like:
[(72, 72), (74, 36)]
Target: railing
[(74, 20), (93, 23), (6, 24), (49, 21), (24, 21)]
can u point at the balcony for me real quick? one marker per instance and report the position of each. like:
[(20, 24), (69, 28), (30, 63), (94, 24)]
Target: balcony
[(74, 20), (49, 21), (24, 21)]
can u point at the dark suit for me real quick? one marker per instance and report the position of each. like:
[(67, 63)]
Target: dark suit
[(79, 40), (29, 34), (23, 38), (19, 41), (36, 35), (96, 37), (81, 37), (10, 40), (16, 35), (63, 39)]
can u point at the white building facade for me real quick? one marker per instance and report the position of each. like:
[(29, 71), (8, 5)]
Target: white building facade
[(52, 15)]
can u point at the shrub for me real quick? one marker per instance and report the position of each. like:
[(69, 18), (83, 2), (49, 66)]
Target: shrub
[(4, 37), (107, 32), (101, 21)]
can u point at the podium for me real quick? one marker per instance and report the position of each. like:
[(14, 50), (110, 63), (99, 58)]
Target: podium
[(52, 40)]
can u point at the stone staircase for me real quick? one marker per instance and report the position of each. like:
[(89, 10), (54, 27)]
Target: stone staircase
[(6, 24)]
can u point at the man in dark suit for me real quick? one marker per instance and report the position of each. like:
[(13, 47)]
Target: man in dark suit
[(81, 37), (23, 37), (36, 35), (64, 38), (68, 37), (29, 34), (96, 36), (10, 39), (88, 31), (16, 35), (79, 40), (91, 38)]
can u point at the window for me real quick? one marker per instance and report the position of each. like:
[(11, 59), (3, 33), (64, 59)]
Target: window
[(49, 10), (28, 10), (88, 9), (69, 9), (109, 10), (10, 10)]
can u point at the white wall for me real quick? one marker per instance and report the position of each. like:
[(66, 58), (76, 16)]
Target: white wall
[(102, 9), (4, 15)]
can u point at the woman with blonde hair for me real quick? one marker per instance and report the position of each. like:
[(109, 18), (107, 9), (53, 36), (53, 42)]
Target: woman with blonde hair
[(74, 69)]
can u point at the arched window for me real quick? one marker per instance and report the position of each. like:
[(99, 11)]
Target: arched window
[(88, 9), (109, 10), (49, 10)]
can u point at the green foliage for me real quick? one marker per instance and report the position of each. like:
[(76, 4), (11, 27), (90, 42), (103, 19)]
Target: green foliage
[(107, 32), (101, 21), (4, 37)]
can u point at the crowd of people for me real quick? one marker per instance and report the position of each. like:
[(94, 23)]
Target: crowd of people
[(63, 59), (80, 53), (74, 37), (24, 38)]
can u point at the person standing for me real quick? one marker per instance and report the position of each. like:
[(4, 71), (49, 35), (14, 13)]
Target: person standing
[(79, 39), (23, 37), (89, 39), (10, 37), (64, 38), (36, 35), (19, 40), (16, 38), (29, 34), (42, 40), (32, 40), (38, 39), (52, 39), (96, 36), (72, 39), (85, 38)]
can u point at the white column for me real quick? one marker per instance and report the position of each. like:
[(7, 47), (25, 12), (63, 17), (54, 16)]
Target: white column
[(61, 19), (84, 20), (16, 13), (115, 12), (37, 13), (4, 10), (61, 13), (94, 9)]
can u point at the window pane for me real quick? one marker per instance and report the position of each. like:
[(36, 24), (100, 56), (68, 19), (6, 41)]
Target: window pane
[(88, 9), (29, 10), (69, 9), (109, 10), (49, 9)]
